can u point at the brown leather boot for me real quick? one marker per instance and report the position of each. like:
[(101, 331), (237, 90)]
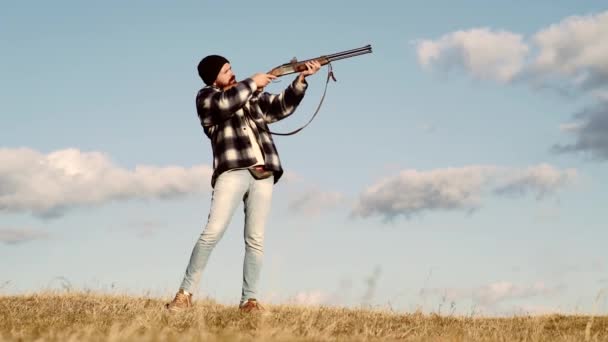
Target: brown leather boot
[(251, 305), (180, 302)]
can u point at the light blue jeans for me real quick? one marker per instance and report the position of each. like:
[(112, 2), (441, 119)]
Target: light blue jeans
[(230, 188)]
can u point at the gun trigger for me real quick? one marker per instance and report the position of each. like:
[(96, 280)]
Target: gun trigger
[(331, 74)]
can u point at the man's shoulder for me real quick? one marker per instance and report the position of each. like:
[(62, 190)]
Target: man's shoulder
[(207, 90)]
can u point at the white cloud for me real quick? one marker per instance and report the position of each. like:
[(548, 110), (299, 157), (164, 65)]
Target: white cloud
[(12, 236), (494, 293), (571, 127), (47, 185), (591, 133), (414, 192), (314, 202), (575, 48), (538, 310), (486, 54), (542, 179), (489, 296), (573, 51), (570, 57), (309, 298)]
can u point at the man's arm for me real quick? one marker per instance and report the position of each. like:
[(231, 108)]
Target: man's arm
[(214, 106), (279, 106)]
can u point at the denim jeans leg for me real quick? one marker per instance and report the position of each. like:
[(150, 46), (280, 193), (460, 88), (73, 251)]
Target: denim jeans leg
[(257, 204), (229, 190)]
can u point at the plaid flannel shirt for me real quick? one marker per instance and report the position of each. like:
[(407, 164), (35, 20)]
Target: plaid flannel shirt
[(222, 115)]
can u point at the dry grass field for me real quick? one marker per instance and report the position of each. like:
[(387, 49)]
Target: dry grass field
[(97, 317)]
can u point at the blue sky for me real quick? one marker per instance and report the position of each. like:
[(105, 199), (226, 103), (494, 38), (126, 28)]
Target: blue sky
[(463, 161)]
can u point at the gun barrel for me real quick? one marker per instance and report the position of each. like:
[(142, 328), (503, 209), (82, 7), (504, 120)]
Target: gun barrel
[(349, 53)]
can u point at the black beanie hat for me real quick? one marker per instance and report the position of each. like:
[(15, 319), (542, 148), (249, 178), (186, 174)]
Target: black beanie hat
[(209, 67)]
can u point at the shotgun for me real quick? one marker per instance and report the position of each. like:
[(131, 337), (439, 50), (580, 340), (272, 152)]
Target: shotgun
[(295, 66)]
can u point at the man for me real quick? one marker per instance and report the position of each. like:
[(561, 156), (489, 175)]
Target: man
[(246, 164)]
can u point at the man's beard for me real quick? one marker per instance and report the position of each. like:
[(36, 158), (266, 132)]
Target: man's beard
[(231, 83)]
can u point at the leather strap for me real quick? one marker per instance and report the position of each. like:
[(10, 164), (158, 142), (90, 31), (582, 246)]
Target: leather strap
[(330, 75)]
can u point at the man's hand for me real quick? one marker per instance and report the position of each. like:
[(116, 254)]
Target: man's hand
[(262, 80), (311, 68)]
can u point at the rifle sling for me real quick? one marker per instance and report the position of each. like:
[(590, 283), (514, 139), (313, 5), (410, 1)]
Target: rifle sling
[(330, 75)]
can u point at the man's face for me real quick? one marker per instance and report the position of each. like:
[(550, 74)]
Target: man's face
[(226, 77)]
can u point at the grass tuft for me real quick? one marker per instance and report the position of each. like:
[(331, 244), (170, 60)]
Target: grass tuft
[(95, 317)]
